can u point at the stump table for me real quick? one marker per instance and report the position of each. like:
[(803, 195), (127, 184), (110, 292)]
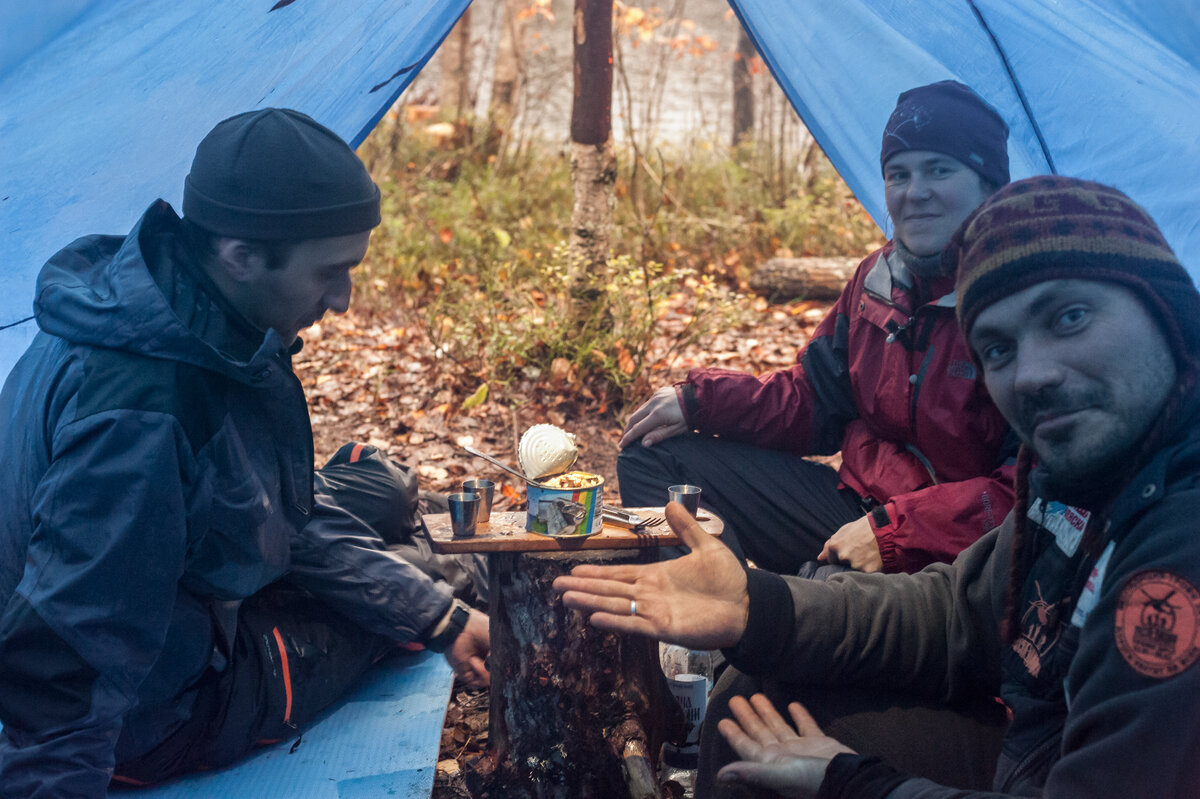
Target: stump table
[(574, 711)]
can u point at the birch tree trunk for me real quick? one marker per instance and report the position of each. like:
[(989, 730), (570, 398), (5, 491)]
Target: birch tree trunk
[(593, 161)]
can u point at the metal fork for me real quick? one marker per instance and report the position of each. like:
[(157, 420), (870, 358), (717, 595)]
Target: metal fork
[(642, 527)]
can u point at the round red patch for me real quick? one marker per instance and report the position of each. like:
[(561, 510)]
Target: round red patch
[(1158, 623)]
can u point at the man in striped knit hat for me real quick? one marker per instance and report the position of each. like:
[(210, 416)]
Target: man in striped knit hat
[(1058, 655)]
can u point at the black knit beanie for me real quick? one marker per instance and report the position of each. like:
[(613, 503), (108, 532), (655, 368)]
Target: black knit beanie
[(277, 174), (947, 117), (1048, 228)]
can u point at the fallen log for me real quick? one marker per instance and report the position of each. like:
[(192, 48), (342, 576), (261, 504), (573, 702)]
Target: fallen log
[(784, 279)]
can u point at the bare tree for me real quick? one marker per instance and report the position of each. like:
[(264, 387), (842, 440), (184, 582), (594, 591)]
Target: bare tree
[(506, 74), (743, 89), (593, 161), (454, 61)]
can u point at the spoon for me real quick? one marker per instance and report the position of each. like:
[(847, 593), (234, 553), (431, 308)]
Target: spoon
[(501, 465)]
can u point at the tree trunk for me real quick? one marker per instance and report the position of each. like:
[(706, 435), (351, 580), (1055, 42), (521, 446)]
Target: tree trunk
[(743, 89), (454, 61), (781, 279), (506, 74), (575, 713), (593, 162)]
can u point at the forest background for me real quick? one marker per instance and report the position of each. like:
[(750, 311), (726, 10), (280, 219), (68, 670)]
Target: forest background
[(471, 318), (462, 329)]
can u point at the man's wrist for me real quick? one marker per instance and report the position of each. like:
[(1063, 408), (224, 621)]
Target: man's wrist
[(448, 628)]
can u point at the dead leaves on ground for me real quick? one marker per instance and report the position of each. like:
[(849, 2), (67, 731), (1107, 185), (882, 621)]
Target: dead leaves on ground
[(380, 381)]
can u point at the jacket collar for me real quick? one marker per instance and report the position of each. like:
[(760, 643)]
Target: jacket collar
[(889, 273)]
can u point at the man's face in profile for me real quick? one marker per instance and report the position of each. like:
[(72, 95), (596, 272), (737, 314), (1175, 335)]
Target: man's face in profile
[(314, 279), (1080, 370)]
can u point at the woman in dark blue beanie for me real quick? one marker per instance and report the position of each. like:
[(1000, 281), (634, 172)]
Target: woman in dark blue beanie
[(886, 380)]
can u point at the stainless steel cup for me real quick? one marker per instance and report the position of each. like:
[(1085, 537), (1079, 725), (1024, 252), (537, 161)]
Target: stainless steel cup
[(486, 490), (687, 496), (464, 514)]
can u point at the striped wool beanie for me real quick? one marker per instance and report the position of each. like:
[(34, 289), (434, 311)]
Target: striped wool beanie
[(1048, 228)]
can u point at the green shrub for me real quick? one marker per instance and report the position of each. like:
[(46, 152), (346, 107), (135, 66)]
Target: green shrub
[(472, 247)]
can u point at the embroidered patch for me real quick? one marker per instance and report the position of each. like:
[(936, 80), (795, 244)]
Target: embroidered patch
[(1158, 623), (1065, 522), (1039, 632)]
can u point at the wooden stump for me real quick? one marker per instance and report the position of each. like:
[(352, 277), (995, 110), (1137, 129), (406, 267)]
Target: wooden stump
[(576, 713), (781, 279)]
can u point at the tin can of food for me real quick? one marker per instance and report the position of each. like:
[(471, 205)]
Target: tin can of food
[(566, 505)]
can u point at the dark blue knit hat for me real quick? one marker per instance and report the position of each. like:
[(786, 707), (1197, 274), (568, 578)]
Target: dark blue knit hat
[(947, 117), (277, 174)]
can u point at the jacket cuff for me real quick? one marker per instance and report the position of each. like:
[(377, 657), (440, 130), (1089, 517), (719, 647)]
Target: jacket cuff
[(686, 393), (883, 524), (772, 611), (448, 627), (858, 776)]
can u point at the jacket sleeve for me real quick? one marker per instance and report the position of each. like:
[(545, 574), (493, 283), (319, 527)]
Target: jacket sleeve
[(936, 523), (339, 558), (803, 409), (934, 632), (90, 614)]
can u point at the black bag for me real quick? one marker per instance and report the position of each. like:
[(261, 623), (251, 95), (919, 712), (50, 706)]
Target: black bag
[(384, 495)]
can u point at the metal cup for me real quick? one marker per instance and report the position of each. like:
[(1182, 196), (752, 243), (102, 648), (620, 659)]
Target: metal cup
[(464, 514), (486, 490), (687, 496)]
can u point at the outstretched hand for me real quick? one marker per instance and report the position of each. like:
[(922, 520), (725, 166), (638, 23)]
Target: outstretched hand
[(468, 654), (698, 600), (659, 417), (791, 762)]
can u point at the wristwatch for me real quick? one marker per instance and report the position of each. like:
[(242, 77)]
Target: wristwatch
[(458, 620)]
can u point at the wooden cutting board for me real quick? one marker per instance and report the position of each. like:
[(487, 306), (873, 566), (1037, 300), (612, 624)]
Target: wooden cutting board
[(505, 532)]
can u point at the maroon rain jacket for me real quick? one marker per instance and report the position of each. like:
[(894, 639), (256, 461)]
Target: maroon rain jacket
[(889, 381)]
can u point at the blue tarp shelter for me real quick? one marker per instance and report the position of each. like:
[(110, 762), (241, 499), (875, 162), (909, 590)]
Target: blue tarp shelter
[(103, 101)]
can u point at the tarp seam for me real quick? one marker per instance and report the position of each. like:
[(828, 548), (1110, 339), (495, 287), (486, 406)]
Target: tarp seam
[(1012, 77)]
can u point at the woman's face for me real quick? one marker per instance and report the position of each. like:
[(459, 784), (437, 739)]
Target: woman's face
[(928, 196)]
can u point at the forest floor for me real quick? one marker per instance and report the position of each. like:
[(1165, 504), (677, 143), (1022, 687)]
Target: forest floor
[(378, 379)]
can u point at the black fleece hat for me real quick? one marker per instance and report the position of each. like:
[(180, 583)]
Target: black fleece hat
[(276, 174), (948, 117)]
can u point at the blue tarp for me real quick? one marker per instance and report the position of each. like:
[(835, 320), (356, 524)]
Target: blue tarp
[(1107, 90), (103, 101)]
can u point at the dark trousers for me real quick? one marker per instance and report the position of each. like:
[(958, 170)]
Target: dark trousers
[(292, 655), (955, 745), (291, 658), (779, 509)]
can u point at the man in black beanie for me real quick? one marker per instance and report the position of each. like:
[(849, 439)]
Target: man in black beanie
[(885, 380), (174, 589)]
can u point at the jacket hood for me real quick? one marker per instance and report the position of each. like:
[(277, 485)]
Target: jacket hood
[(108, 291)]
